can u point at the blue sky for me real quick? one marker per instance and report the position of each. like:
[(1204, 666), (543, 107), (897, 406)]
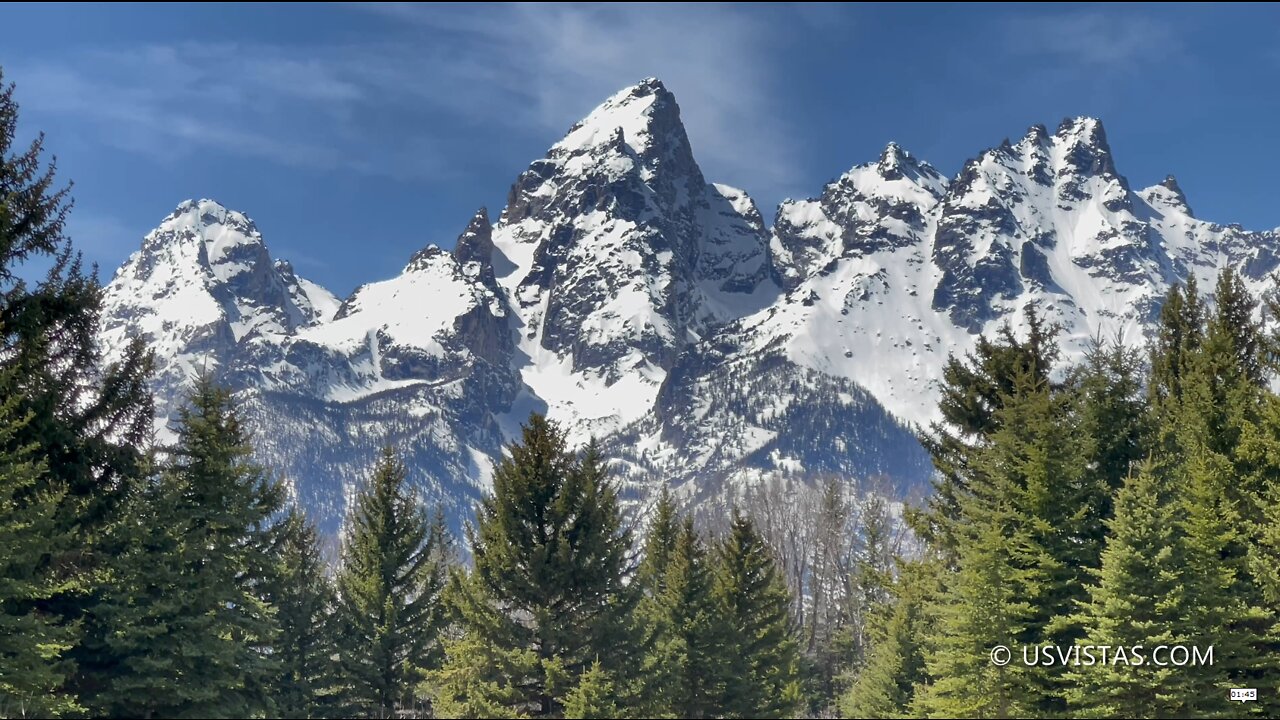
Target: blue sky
[(356, 134)]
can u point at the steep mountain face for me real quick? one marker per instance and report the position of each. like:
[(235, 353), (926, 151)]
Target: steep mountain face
[(630, 299), (206, 297), (618, 255), (892, 268), (421, 361)]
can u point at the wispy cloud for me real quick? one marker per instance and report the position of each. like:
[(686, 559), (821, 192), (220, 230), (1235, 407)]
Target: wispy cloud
[(384, 106), (1095, 38)]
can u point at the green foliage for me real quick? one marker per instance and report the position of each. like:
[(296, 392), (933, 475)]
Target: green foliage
[(760, 655), (1140, 599), (593, 697), (304, 599), (884, 686), (687, 662), (33, 643), (189, 625), (549, 593), (84, 424), (389, 593), (974, 389)]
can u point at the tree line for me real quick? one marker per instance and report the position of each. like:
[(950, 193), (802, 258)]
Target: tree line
[(179, 581), (1132, 500)]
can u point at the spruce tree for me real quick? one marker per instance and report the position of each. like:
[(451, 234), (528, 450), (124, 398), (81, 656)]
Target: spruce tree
[(393, 571), (974, 389), (652, 611), (1022, 523), (593, 697), (1179, 335), (981, 609), (690, 652), (883, 686), (304, 600), (550, 590), (1139, 599), (33, 643), (1115, 430), (761, 672), (659, 545), (189, 627), (87, 423)]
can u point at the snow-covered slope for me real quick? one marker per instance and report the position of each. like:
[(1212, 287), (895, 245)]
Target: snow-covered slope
[(892, 268), (205, 295), (631, 299), (618, 255)]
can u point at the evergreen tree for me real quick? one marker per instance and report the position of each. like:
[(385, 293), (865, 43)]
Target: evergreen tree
[(981, 609), (761, 674), (1139, 600), (593, 697), (1179, 335), (88, 424), (304, 601), (659, 545), (389, 593), (973, 391), (1115, 432), (652, 611), (1221, 605), (884, 685), (1226, 441), (189, 626), (690, 652), (549, 593), (1023, 524), (32, 642)]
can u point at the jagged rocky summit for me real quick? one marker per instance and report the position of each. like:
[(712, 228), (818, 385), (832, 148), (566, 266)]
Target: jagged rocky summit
[(635, 302)]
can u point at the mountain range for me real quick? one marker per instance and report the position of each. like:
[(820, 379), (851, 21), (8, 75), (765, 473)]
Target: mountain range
[(635, 302)]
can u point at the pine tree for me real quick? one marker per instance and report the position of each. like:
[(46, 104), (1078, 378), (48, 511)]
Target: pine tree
[(652, 611), (1221, 433), (593, 697), (1178, 336), (389, 593), (1139, 600), (690, 650), (306, 646), (973, 392), (1115, 432), (549, 593), (189, 626), (884, 685), (1221, 606), (88, 424), (660, 544), (32, 642), (762, 665), (981, 609), (1023, 523)]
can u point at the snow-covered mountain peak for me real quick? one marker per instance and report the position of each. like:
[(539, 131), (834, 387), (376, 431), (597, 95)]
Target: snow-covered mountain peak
[(1082, 142), (475, 244), (425, 259), (642, 113), (1167, 195)]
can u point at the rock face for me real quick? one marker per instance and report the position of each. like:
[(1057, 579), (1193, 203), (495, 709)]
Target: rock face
[(633, 301), (618, 256)]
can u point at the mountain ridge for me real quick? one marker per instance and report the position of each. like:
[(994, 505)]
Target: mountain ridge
[(632, 300)]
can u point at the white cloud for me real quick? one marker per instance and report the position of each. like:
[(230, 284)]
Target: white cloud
[(382, 105), (1095, 38)]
